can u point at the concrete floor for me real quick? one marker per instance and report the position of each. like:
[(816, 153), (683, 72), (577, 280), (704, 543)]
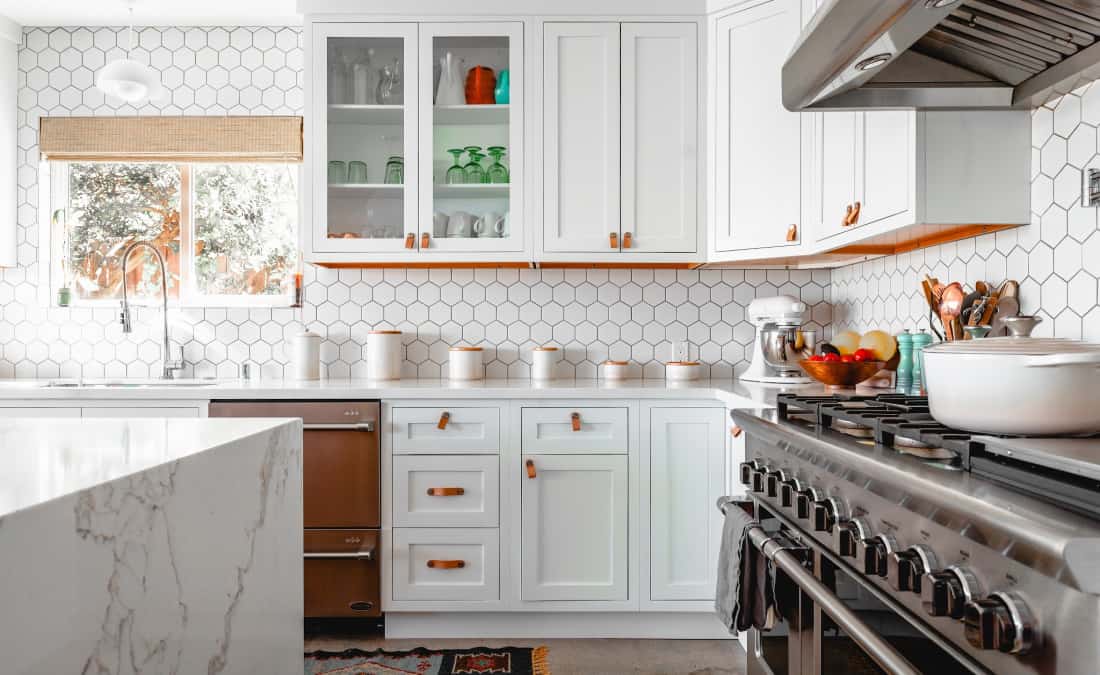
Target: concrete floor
[(583, 657)]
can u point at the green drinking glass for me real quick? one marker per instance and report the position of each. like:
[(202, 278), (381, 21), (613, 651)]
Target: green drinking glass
[(497, 172), (456, 175), (475, 173)]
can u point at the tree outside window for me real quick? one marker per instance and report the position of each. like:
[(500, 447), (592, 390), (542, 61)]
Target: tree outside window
[(228, 232)]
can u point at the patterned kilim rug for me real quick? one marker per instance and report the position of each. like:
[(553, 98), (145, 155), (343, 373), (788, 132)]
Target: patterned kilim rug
[(473, 661)]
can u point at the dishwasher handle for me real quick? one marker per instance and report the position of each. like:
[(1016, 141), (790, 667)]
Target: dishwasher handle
[(369, 427), (367, 555)]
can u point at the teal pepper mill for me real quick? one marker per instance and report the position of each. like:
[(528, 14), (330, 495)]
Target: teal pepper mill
[(920, 341), (501, 92), (905, 364)]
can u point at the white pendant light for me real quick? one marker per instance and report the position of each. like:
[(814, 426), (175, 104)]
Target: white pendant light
[(127, 79)]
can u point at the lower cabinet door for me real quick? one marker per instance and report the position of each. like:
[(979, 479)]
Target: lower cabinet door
[(574, 527), (342, 573), (686, 475), (445, 564)]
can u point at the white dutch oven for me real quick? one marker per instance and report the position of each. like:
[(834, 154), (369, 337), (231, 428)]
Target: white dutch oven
[(1019, 386)]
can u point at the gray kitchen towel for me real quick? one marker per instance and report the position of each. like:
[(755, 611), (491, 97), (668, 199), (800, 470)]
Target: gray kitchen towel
[(736, 571)]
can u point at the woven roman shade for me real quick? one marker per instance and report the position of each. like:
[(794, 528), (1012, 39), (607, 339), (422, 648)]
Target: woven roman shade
[(171, 139)]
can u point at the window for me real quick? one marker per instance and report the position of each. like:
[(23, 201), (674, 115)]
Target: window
[(227, 232)]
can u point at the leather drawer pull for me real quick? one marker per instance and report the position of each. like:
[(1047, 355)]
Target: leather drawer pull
[(576, 418), (446, 564), (735, 431), (361, 606), (425, 240), (410, 240), (443, 419), (614, 237), (530, 468), (446, 492), (628, 240)]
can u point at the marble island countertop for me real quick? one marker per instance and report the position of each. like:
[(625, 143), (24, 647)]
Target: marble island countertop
[(734, 393), (44, 460)]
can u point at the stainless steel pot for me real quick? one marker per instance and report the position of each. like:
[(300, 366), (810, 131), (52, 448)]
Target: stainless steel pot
[(1022, 386)]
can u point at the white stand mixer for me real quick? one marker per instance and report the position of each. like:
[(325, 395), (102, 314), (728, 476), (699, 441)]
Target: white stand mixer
[(780, 341)]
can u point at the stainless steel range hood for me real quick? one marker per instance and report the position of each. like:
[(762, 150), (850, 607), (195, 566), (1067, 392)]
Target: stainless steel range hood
[(942, 54)]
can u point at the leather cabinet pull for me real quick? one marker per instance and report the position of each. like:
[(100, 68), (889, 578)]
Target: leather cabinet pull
[(792, 233), (446, 564), (847, 220), (855, 214), (425, 240), (530, 464), (614, 236), (410, 240), (576, 419), (628, 240), (735, 431), (446, 492), (443, 420)]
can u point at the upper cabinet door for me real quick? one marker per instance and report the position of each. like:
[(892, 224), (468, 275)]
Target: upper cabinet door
[(759, 144), (357, 129), (660, 138), (581, 137), (471, 137), (835, 172), (884, 172)]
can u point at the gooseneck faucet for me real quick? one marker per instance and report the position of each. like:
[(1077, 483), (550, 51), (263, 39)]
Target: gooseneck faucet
[(170, 366)]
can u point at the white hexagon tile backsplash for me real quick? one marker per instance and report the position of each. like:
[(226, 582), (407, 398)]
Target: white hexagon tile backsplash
[(1056, 258), (593, 314)]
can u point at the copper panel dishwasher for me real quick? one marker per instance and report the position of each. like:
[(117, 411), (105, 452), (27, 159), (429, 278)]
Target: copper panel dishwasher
[(341, 469)]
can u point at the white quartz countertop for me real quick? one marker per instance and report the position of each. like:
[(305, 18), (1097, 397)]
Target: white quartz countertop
[(733, 393), (45, 459)]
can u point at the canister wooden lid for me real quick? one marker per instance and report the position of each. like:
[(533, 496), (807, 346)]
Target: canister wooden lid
[(682, 363), (616, 363), (465, 349), (545, 349), (385, 332)]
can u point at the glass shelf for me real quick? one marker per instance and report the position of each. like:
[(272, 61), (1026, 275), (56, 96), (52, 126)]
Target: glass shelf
[(472, 114), (350, 113), (366, 190), (475, 191)]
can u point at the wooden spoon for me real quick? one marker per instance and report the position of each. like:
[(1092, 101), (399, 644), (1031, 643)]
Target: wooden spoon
[(951, 304)]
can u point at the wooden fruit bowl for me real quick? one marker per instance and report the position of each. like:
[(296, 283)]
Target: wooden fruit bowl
[(840, 374)]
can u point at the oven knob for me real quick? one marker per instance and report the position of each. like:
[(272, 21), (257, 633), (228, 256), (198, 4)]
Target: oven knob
[(772, 482), (946, 593), (905, 568), (873, 552), (788, 490), (847, 536), (1002, 622), (746, 471), (804, 501), (825, 513)]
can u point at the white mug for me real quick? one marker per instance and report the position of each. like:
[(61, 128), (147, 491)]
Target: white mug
[(439, 224), (460, 224), (489, 225)]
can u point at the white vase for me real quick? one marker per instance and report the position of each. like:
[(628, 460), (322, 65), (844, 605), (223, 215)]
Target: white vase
[(451, 89)]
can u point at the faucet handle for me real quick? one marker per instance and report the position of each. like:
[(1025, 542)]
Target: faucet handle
[(176, 364)]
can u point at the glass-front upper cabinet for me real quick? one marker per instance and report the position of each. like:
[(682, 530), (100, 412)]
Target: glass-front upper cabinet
[(363, 136), (471, 137)]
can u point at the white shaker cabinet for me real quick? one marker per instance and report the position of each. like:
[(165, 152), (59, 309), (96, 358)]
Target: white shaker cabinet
[(687, 474), (575, 514), (580, 136), (620, 140), (877, 172), (760, 148)]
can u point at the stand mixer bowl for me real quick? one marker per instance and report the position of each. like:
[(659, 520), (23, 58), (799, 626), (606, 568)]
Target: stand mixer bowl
[(784, 346)]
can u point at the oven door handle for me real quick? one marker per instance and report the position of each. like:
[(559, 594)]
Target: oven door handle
[(881, 651), (361, 426), (367, 555)]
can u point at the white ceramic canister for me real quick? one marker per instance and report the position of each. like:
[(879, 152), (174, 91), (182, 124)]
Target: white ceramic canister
[(682, 371), (384, 355), (543, 360), (305, 356), (616, 370), (465, 363)]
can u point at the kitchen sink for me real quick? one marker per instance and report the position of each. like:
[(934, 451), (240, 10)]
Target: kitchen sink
[(126, 384)]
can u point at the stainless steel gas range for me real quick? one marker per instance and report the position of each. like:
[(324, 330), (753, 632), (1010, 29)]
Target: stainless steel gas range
[(918, 549)]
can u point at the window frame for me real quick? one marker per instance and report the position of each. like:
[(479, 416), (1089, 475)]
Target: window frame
[(54, 190)]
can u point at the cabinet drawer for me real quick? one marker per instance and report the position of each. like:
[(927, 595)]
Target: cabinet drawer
[(554, 430), (445, 491), (446, 564), (464, 430)]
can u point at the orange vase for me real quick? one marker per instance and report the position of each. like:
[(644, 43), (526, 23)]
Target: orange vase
[(480, 83)]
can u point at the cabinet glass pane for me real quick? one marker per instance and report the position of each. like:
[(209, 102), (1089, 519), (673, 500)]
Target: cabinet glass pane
[(366, 137), (471, 119)]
